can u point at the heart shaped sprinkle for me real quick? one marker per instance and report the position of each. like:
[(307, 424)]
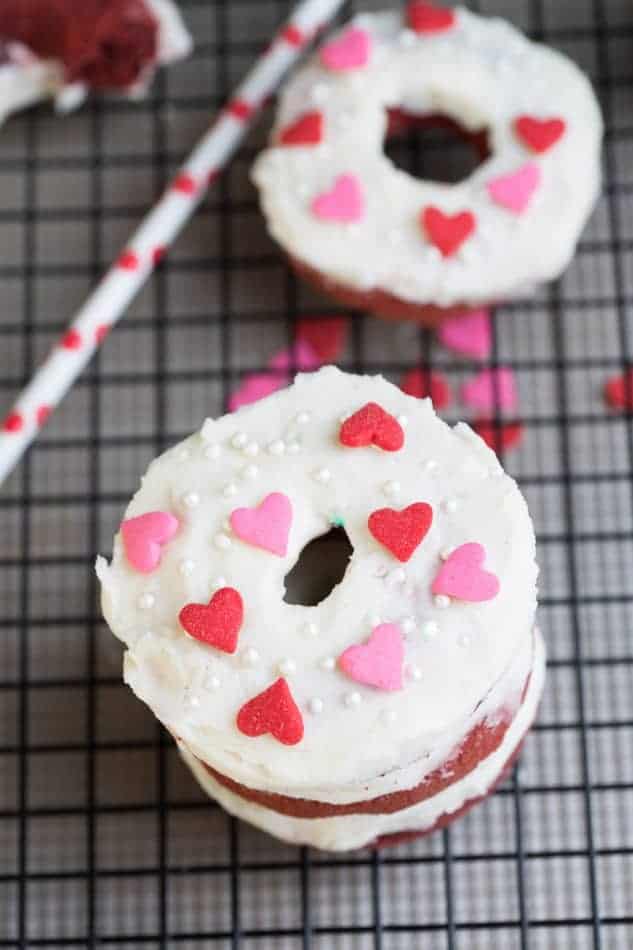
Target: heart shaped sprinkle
[(515, 190), (351, 50), (144, 536), (539, 134), (499, 436), (462, 576), (447, 232), (618, 391), (422, 384), (491, 389), (378, 662), (274, 711), (326, 336), (372, 425), (306, 130), (266, 526), (344, 202), (468, 333), (217, 623), (401, 531), (427, 18)]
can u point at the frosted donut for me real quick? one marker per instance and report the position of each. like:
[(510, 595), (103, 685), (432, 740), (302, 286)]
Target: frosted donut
[(400, 698), (375, 237), (62, 49)]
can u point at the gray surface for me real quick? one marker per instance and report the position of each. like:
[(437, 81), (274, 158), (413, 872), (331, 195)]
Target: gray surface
[(103, 834)]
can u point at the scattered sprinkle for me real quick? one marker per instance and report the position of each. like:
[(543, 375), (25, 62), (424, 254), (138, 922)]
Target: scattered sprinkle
[(182, 455), (239, 440), (294, 448), (430, 465), (222, 541), (312, 629), (252, 449), (212, 682), (315, 706), (278, 447), (408, 625), (464, 640), (186, 567), (322, 475), (391, 488), (250, 656), (430, 629), (146, 601), (415, 673), (328, 663), (287, 666), (302, 417), (352, 700), (450, 505), (250, 471), (229, 490), (441, 601), (191, 499)]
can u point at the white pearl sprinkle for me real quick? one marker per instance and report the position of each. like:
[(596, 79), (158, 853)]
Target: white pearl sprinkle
[(278, 447), (250, 471), (212, 682), (219, 582), (294, 448), (464, 640), (415, 673), (182, 455), (302, 417), (407, 624), (315, 706), (252, 449), (391, 488), (322, 475), (430, 465), (311, 629), (441, 601), (191, 499), (287, 666), (222, 541), (445, 553), (430, 629), (250, 656), (186, 567), (397, 576), (320, 93), (403, 420), (328, 663), (450, 505), (407, 38), (352, 699), (239, 440), (389, 716), (192, 701), (212, 452), (381, 571), (146, 601), (229, 490)]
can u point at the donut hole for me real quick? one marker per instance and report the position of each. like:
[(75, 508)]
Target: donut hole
[(320, 568), (434, 147)]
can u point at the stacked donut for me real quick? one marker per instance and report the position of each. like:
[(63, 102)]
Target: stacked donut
[(404, 695), (376, 238)]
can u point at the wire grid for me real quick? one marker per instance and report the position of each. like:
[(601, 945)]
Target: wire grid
[(104, 837)]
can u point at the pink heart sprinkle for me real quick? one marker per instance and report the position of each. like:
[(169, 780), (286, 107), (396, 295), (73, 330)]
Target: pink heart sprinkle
[(491, 389), (468, 333), (144, 536), (266, 526), (343, 202), (514, 191), (351, 50), (379, 661), (462, 576)]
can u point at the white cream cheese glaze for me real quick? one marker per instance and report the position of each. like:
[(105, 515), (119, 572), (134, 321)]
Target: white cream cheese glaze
[(26, 80), (463, 660), (344, 833), (482, 73)]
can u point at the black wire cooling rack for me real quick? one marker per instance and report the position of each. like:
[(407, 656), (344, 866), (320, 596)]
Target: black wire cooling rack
[(104, 838)]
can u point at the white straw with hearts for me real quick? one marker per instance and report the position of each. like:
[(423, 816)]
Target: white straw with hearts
[(108, 302)]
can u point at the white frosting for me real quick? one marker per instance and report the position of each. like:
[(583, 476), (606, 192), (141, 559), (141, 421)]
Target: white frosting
[(344, 833), (482, 72), (29, 80), (351, 749)]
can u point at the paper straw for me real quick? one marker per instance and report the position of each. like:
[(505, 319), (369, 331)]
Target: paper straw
[(109, 300)]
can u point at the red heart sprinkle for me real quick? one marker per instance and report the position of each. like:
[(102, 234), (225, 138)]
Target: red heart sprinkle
[(71, 340), (539, 134), (185, 184), (447, 231), (326, 336), (239, 109), (42, 415), (371, 425), (499, 436), (422, 384), (618, 391), (306, 130), (13, 422), (401, 531), (128, 260), (273, 711), (216, 623), (427, 18), (101, 332)]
